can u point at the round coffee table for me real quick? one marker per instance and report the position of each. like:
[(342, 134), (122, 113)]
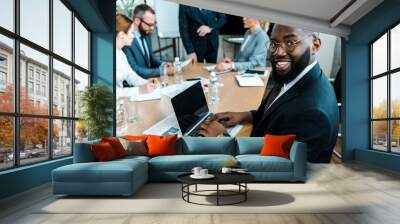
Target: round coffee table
[(238, 179)]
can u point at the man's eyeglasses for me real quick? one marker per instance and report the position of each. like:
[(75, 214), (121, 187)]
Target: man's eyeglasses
[(148, 24), (288, 45)]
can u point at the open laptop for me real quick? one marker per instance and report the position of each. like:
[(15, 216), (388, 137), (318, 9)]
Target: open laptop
[(191, 109)]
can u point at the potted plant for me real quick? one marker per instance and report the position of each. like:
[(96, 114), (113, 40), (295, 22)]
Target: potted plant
[(96, 103)]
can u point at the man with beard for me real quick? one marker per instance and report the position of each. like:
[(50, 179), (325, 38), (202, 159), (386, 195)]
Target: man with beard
[(302, 101), (140, 54)]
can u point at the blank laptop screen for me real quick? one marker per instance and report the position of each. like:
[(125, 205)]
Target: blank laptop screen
[(190, 106)]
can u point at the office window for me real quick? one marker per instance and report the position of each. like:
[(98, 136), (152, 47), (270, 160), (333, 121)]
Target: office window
[(385, 92), (40, 64), (33, 140), (395, 47), (379, 56), (61, 73), (62, 138), (7, 83), (81, 81), (81, 45), (62, 29), (7, 14), (6, 142), (45, 131), (35, 21), (379, 97)]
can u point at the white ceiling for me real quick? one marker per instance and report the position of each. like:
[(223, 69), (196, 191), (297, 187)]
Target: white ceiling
[(325, 16)]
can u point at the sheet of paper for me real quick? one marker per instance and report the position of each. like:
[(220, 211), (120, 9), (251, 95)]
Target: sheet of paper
[(244, 80), (174, 89), (153, 95)]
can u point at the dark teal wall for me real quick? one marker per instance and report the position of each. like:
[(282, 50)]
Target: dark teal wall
[(24, 178), (103, 62), (99, 16), (356, 85)]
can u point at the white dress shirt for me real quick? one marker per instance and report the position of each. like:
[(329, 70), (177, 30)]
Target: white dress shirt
[(125, 72), (289, 85)]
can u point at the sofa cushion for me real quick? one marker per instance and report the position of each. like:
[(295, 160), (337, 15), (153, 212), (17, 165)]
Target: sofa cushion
[(206, 145), (277, 145), (116, 145), (112, 171), (257, 163), (103, 152), (134, 147), (185, 163), (249, 145), (161, 145), (136, 137)]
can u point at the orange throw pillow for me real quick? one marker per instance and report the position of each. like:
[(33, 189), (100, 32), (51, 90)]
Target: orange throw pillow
[(136, 137), (277, 145), (161, 145), (103, 152), (116, 145)]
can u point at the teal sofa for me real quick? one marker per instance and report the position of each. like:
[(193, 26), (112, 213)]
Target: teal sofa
[(125, 176)]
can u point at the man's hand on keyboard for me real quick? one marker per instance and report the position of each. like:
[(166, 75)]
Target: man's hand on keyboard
[(211, 128)]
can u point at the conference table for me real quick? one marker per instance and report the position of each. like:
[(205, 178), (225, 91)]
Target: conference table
[(232, 98)]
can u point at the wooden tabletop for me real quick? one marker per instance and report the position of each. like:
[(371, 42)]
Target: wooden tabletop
[(232, 98)]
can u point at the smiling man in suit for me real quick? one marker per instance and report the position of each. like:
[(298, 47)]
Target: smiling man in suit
[(302, 101), (199, 30), (140, 54)]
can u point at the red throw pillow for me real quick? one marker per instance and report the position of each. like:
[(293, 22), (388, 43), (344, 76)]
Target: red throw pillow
[(136, 137), (103, 152), (161, 145), (116, 145), (277, 145)]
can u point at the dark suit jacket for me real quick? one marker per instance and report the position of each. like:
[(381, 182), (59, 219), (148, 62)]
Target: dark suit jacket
[(138, 61), (190, 19), (309, 110)]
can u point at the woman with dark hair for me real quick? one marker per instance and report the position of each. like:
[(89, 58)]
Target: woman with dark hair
[(126, 77)]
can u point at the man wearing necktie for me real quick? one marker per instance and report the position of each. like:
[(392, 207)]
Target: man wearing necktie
[(302, 101), (140, 54), (199, 30)]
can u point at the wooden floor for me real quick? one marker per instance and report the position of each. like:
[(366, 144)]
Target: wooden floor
[(351, 181)]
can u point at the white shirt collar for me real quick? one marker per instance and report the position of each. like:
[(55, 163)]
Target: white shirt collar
[(137, 34), (289, 85)]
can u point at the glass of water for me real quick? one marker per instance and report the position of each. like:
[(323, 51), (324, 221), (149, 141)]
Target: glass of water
[(132, 113)]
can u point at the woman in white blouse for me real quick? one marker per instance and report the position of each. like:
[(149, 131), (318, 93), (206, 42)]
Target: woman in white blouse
[(126, 77)]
